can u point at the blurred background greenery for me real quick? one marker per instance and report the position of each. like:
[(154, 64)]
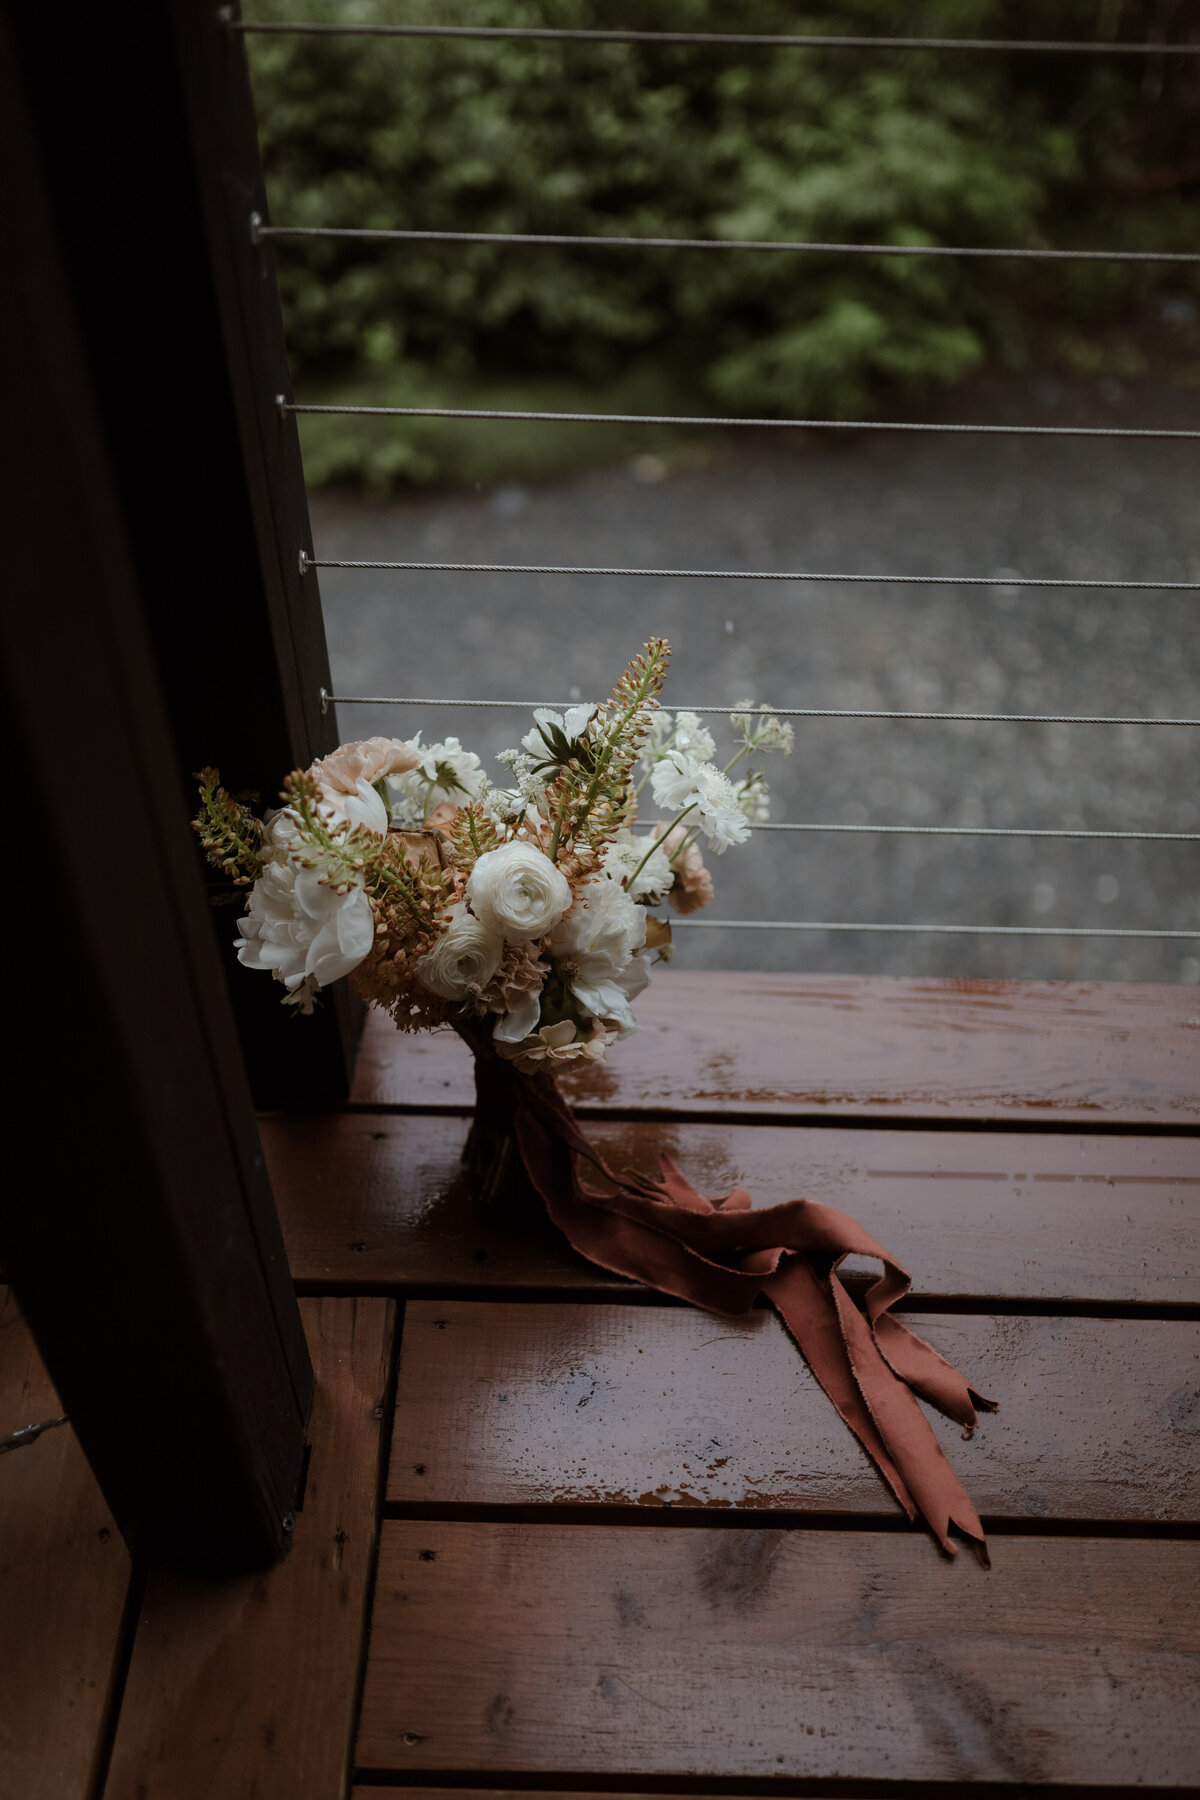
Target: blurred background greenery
[(720, 141)]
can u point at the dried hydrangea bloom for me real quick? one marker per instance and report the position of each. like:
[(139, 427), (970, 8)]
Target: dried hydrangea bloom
[(515, 992), (555, 1045), (693, 885)]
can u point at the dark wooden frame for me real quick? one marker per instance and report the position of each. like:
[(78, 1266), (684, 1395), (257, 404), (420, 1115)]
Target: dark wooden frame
[(155, 620), (149, 144)]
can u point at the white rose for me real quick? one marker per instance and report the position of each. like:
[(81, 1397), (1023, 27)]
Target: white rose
[(464, 959), (301, 928), (517, 891)]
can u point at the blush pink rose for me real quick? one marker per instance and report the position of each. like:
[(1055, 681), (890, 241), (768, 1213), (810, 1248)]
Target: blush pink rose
[(343, 769)]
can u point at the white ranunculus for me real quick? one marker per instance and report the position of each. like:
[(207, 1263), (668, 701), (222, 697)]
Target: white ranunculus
[(647, 880), (596, 952), (518, 892), (464, 958), (573, 723), (299, 927)]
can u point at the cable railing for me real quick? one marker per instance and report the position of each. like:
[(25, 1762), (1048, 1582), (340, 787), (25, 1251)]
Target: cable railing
[(782, 712), (1120, 583), (719, 421), (727, 39), (260, 231), (795, 247)]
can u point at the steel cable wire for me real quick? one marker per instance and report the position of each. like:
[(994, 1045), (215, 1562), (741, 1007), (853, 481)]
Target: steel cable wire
[(742, 39), (307, 562), (714, 422), (585, 241)]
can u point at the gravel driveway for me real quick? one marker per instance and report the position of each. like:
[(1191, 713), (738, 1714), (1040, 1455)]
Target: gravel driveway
[(866, 503)]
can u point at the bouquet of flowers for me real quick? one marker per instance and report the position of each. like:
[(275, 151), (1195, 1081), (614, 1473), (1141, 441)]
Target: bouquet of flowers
[(523, 916)]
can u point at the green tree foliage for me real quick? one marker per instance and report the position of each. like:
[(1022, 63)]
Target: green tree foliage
[(724, 141)]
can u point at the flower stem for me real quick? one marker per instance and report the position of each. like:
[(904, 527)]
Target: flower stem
[(655, 842)]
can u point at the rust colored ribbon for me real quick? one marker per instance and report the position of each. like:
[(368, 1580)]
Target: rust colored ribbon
[(721, 1255)]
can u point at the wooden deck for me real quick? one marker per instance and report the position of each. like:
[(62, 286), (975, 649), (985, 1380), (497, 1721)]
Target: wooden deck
[(560, 1535)]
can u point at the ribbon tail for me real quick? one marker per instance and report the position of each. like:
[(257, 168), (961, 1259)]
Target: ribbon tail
[(935, 1379), (808, 1313), (720, 1255), (936, 1489)]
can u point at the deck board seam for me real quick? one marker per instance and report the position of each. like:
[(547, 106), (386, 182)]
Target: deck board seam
[(1069, 1122), (586, 1516), (973, 1305)]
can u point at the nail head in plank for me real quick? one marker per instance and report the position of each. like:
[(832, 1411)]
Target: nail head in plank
[(64, 1574), (816, 1655), (1047, 1217), (666, 1406), (1093, 1053), (248, 1685)]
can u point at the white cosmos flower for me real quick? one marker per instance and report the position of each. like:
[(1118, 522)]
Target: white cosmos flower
[(622, 862), (595, 950), (573, 723), (674, 781), (298, 926), (445, 772), (464, 958), (518, 892)]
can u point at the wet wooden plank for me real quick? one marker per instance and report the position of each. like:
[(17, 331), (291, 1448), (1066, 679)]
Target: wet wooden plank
[(247, 1686), (1041, 1216), (665, 1406), (817, 1655), (519, 1793), (64, 1574), (854, 1046)]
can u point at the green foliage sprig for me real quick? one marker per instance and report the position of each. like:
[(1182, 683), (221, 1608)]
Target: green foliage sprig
[(473, 834), (590, 799), (361, 856), (231, 835)]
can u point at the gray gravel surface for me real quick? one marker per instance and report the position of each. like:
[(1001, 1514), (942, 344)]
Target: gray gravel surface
[(871, 504)]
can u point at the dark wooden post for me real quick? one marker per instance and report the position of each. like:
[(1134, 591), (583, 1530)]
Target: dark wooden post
[(136, 1222), (147, 134)]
